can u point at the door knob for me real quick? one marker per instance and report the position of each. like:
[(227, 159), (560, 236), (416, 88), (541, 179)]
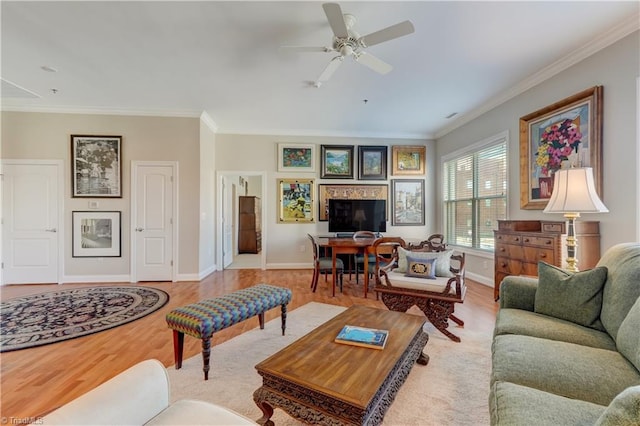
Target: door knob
[(51, 230), (139, 229)]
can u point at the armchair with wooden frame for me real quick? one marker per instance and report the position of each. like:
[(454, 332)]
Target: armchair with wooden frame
[(435, 297)]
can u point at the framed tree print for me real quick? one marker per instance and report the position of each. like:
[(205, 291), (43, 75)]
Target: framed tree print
[(96, 166), (408, 202), (96, 234), (567, 133), (372, 162), (408, 160), (336, 161), (295, 200)]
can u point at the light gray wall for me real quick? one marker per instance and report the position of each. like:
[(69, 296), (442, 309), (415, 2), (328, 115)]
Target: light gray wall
[(616, 68), (47, 136), (287, 245)]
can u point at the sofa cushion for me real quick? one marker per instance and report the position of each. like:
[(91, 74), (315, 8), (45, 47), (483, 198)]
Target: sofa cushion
[(629, 335), (575, 297), (517, 321), (421, 268), (624, 410), (443, 260), (566, 369), (193, 412), (622, 288), (515, 405), (398, 279)]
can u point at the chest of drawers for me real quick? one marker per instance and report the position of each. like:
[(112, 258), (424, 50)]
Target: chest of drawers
[(521, 244)]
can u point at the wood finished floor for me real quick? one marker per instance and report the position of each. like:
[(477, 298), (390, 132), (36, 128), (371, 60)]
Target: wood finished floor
[(37, 380)]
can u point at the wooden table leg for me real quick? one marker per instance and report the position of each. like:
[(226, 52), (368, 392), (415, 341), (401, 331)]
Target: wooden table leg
[(366, 272), (333, 272)]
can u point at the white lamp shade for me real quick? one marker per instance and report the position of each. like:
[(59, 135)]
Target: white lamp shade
[(574, 192)]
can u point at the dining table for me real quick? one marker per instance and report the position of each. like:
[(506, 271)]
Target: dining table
[(347, 245)]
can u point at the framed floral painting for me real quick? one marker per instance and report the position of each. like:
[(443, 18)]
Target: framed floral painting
[(565, 134), (296, 157)]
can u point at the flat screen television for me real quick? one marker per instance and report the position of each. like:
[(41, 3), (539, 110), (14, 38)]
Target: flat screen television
[(357, 215)]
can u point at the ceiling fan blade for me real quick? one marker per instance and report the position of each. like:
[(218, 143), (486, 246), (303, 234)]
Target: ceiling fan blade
[(336, 20), (302, 49), (389, 33), (330, 69), (378, 65)]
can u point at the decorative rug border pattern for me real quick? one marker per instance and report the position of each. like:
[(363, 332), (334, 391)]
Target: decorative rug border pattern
[(45, 318)]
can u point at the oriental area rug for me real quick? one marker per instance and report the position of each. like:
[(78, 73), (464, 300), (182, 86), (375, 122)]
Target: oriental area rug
[(453, 389), (45, 318)]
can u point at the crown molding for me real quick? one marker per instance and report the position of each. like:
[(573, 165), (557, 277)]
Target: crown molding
[(626, 27), (51, 109), (324, 133), (209, 122)]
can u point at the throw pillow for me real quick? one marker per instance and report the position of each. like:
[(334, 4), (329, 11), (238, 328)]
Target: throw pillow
[(421, 268), (624, 410), (575, 297), (443, 260), (628, 338)]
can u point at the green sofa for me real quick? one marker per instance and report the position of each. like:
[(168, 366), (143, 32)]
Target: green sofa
[(566, 347)]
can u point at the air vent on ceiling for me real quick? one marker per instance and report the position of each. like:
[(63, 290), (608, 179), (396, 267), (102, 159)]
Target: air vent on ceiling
[(11, 90)]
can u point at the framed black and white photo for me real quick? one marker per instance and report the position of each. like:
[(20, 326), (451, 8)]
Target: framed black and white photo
[(408, 202), (96, 234), (96, 166)]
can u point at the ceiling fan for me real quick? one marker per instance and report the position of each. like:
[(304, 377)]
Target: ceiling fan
[(346, 42)]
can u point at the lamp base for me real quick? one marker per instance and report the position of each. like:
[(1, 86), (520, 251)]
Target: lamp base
[(572, 242)]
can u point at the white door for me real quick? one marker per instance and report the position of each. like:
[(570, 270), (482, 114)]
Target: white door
[(152, 221), (227, 223), (31, 221)]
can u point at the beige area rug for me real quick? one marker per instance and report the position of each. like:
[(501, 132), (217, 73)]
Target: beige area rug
[(451, 390)]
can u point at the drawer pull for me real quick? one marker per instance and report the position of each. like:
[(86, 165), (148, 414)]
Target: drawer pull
[(526, 240), (543, 255), (516, 239), (503, 264), (502, 249), (548, 242)]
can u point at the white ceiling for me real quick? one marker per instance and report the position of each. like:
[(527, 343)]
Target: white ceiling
[(184, 58)]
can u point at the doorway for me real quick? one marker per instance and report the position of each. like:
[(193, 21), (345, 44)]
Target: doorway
[(232, 185)]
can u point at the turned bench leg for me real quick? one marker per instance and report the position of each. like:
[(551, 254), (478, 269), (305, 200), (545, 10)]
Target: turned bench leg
[(206, 355), (283, 316)]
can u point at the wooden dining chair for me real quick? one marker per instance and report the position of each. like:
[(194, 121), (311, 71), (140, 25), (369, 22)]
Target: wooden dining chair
[(358, 258), (323, 265)]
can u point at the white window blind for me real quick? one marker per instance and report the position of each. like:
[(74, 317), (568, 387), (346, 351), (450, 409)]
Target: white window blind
[(475, 194)]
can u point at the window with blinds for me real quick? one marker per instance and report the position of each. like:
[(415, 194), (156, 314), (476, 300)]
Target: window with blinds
[(475, 193)]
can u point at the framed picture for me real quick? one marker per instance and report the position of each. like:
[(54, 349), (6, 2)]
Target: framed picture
[(296, 157), (336, 161), (408, 160), (295, 200), (567, 133), (408, 202), (96, 164), (96, 234), (372, 162), (348, 192)]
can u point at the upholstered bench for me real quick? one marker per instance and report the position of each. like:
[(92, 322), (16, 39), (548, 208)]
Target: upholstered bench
[(204, 318)]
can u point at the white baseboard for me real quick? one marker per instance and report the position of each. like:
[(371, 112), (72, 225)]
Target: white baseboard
[(480, 279), (210, 270)]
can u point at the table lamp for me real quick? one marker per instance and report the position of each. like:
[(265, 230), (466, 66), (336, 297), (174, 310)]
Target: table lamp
[(574, 192)]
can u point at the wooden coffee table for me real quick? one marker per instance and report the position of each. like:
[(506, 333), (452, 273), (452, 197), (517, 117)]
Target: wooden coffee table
[(319, 381)]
